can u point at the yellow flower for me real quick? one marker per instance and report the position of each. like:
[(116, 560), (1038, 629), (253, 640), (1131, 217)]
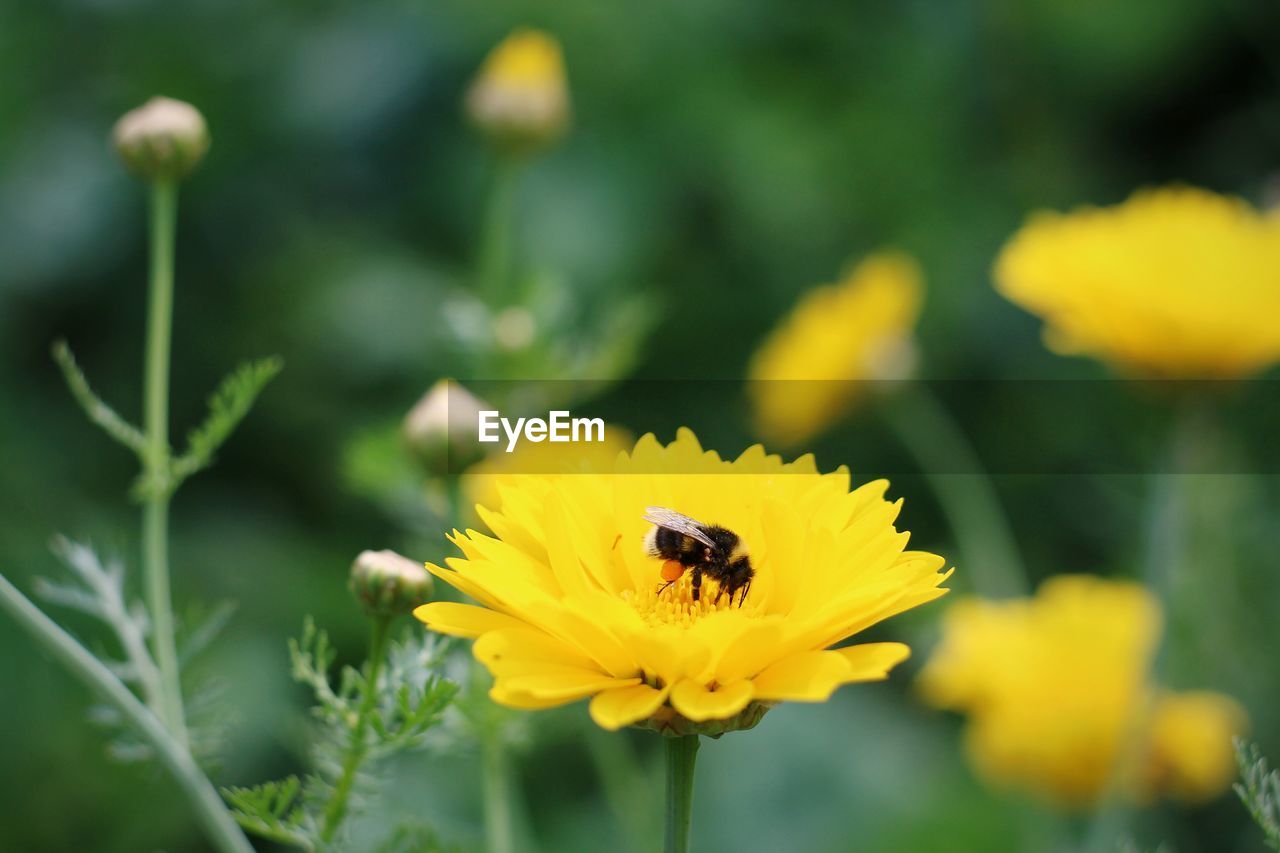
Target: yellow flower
[(1177, 283), (569, 603), (1188, 731), (1056, 689), (807, 372), (519, 97)]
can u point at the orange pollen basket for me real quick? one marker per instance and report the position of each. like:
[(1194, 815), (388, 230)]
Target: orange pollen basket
[(672, 570)]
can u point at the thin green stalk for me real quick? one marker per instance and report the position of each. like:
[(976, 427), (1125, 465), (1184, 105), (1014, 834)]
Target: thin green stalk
[(1164, 550), (988, 552), (499, 829), (493, 263), (336, 810), (218, 823), (1169, 523), (155, 511), (682, 754)]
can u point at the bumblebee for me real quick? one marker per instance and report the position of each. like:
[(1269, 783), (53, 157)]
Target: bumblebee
[(704, 549)]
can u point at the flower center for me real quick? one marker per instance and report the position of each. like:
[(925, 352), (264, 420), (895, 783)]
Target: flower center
[(674, 604)]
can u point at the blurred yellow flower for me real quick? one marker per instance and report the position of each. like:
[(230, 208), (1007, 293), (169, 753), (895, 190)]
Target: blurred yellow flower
[(569, 603), (1175, 283), (1058, 696), (807, 372), (1188, 734), (520, 98)]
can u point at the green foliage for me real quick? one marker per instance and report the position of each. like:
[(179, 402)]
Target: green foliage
[(1259, 790), (403, 704), (273, 810), (98, 411), (410, 698), (98, 591), (227, 407), (414, 837)]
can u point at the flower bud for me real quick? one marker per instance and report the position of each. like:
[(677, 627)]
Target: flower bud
[(163, 139), (443, 424), (519, 98), (387, 584)]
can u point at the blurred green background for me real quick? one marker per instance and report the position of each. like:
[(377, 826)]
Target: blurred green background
[(724, 157)]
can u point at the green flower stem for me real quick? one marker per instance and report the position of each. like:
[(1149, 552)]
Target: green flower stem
[(968, 499), (682, 754), (155, 511), (499, 830), (1169, 522), (1165, 549), (218, 823), (493, 264), (336, 810)]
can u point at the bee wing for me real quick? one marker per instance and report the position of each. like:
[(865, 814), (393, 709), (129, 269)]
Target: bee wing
[(672, 520)]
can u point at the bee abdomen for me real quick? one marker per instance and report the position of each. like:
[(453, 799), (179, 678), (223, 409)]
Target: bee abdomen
[(671, 545)]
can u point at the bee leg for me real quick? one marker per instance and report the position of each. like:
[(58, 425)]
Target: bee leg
[(697, 583), (746, 587), (663, 588)]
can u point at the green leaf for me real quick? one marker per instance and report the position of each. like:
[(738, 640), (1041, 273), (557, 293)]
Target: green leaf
[(97, 589), (412, 699), (273, 810), (414, 837), (1259, 790), (312, 656), (227, 407), (99, 412)]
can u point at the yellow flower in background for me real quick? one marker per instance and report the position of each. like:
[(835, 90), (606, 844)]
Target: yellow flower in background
[(807, 372), (569, 604), (520, 97), (1188, 731), (1056, 688), (1178, 283)]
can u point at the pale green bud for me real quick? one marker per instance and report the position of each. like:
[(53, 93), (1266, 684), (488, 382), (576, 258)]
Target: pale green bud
[(387, 584), (163, 139), (440, 429)]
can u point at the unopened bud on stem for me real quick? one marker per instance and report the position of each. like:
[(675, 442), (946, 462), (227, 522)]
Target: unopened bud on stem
[(519, 99), (387, 584), (442, 423), (162, 140)]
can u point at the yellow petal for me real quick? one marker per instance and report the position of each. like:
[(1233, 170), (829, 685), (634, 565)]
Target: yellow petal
[(750, 651), (614, 709), (554, 681), (699, 704), (806, 677), (872, 661), (814, 676), (527, 644), (524, 701), (463, 620)]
